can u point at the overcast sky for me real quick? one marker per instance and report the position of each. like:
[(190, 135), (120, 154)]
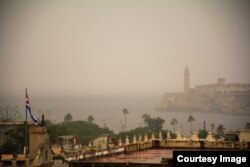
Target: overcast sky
[(121, 47)]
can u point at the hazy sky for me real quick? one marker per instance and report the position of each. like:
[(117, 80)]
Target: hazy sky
[(121, 47)]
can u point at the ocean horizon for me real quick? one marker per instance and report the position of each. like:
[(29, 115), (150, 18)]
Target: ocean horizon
[(108, 110)]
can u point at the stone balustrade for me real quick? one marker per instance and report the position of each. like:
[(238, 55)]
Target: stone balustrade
[(158, 142), (14, 160)]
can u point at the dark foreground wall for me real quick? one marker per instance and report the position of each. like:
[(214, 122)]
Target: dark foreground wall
[(164, 163)]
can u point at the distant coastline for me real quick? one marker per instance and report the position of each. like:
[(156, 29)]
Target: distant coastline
[(221, 98)]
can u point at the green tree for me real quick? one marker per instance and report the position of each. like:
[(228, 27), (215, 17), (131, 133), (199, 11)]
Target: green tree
[(8, 147), (220, 131), (15, 140), (202, 134), (212, 126), (146, 118), (68, 118), (77, 128), (190, 120), (125, 112), (174, 122), (48, 122), (56, 130), (155, 124), (90, 119)]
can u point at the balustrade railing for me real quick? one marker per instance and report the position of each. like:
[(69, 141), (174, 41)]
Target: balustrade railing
[(168, 144)]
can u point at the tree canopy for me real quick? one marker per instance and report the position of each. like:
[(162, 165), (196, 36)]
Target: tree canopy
[(90, 119), (146, 118), (84, 130), (212, 126), (15, 141), (154, 124), (68, 118), (220, 131)]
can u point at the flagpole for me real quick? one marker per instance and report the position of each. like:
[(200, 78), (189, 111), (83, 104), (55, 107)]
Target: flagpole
[(26, 126)]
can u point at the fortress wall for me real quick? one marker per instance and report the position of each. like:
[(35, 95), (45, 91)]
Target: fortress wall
[(170, 99), (232, 88), (226, 88), (238, 87), (205, 89), (172, 96)]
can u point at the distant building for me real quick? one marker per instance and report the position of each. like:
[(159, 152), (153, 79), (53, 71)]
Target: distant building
[(67, 141), (242, 135), (100, 143), (232, 98)]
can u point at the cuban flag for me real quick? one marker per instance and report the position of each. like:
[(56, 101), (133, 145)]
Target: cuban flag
[(28, 108)]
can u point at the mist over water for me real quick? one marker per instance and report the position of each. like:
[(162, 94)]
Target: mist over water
[(108, 109), (99, 57)]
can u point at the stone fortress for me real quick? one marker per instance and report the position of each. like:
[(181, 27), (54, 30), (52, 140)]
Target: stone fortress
[(232, 98)]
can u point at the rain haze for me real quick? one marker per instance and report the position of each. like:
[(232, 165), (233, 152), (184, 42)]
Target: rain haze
[(99, 57)]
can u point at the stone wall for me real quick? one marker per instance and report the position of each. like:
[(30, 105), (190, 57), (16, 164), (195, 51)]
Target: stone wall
[(37, 136), (221, 88), (244, 135), (100, 143)]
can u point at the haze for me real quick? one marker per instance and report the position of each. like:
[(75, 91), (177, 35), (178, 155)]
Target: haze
[(120, 48)]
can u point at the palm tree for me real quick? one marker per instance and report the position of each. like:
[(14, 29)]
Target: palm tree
[(125, 112), (146, 118), (212, 126), (220, 130), (190, 120), (174, 122), (247, 125), (90, 119), (181, 129)]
